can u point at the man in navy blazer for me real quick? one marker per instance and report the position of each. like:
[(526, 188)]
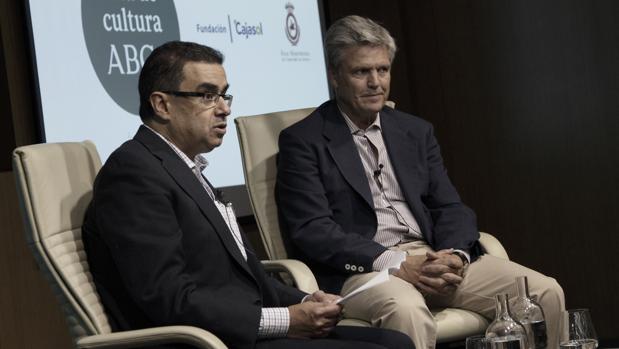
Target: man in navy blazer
[(362, 188), (165, 249), (340, 200)]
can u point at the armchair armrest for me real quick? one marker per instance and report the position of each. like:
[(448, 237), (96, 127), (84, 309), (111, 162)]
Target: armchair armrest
[(300, 273), (492, 246), (194, 336)]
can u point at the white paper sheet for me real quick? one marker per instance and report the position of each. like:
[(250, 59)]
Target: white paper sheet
[(381, 277)]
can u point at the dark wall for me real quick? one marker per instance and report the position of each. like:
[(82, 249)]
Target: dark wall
[(7, 136), (524, 96)]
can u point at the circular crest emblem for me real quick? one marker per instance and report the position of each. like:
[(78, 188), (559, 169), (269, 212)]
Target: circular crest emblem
[(292, 26)]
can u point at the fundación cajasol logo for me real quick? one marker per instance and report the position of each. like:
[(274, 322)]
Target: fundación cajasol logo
[(292, 26), (120, 35)]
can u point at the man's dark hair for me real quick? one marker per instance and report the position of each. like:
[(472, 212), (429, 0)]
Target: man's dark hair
[(163, 69)]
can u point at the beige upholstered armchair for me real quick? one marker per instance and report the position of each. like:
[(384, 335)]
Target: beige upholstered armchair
[(54, 184), (258, 136)]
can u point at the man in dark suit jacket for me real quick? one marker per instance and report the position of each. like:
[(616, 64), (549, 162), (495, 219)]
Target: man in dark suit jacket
[(163, 247), (362, 187)]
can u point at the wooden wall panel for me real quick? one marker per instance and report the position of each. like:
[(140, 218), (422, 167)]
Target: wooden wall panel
[(528, 129), (15, 47), (7, 136)]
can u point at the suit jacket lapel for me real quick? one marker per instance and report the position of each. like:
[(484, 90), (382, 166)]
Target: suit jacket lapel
[(402, 147), (342, 148), (190, 184)]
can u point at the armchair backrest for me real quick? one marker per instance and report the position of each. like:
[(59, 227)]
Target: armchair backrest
[(54, 185), (258, 136)]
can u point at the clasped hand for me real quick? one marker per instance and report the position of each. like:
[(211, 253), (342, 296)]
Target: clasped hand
[(435, 273), (315, 317)]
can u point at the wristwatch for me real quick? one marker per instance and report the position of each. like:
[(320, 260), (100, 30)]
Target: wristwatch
[(462, 256)]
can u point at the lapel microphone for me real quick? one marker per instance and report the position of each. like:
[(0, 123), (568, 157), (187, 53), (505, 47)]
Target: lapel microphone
[(219, 196), (379, 171)]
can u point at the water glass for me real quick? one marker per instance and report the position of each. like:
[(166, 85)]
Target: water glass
[(579, 330)]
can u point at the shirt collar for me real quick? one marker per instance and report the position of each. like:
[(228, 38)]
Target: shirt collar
[(354, 129), (199, 161)]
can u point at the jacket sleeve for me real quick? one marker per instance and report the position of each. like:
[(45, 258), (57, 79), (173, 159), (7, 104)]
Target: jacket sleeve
[(453, 223), (306, 214), (287, 295)]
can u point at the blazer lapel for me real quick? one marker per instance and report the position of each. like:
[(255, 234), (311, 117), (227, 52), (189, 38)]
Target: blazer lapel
[(402, 147), (342, 148), (186, 179)]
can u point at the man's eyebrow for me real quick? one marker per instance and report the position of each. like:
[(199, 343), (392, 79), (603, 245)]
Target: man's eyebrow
[(208, 87)]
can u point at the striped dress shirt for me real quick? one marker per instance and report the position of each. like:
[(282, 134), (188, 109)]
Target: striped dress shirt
[(396, 223)]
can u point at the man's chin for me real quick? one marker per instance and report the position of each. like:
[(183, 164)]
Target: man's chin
[(373, 108), (213, 144), (364, 109)]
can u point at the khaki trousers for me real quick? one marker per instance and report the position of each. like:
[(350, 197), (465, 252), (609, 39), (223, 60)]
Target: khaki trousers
[(399, 306)]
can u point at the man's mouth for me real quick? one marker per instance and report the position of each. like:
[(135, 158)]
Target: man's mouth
[(372, 95), (221, 127)]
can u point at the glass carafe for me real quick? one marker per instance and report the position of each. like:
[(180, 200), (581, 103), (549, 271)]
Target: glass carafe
[(530, 314), (505, 332)]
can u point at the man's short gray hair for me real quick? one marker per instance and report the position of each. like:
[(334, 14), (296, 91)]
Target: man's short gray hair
[(355, 31)]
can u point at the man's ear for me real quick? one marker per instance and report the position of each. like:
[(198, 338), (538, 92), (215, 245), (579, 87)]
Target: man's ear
[(160, 104), (332, 74)]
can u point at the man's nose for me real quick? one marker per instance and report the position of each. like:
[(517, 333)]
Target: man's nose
[(373, 78), (223, 109)]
